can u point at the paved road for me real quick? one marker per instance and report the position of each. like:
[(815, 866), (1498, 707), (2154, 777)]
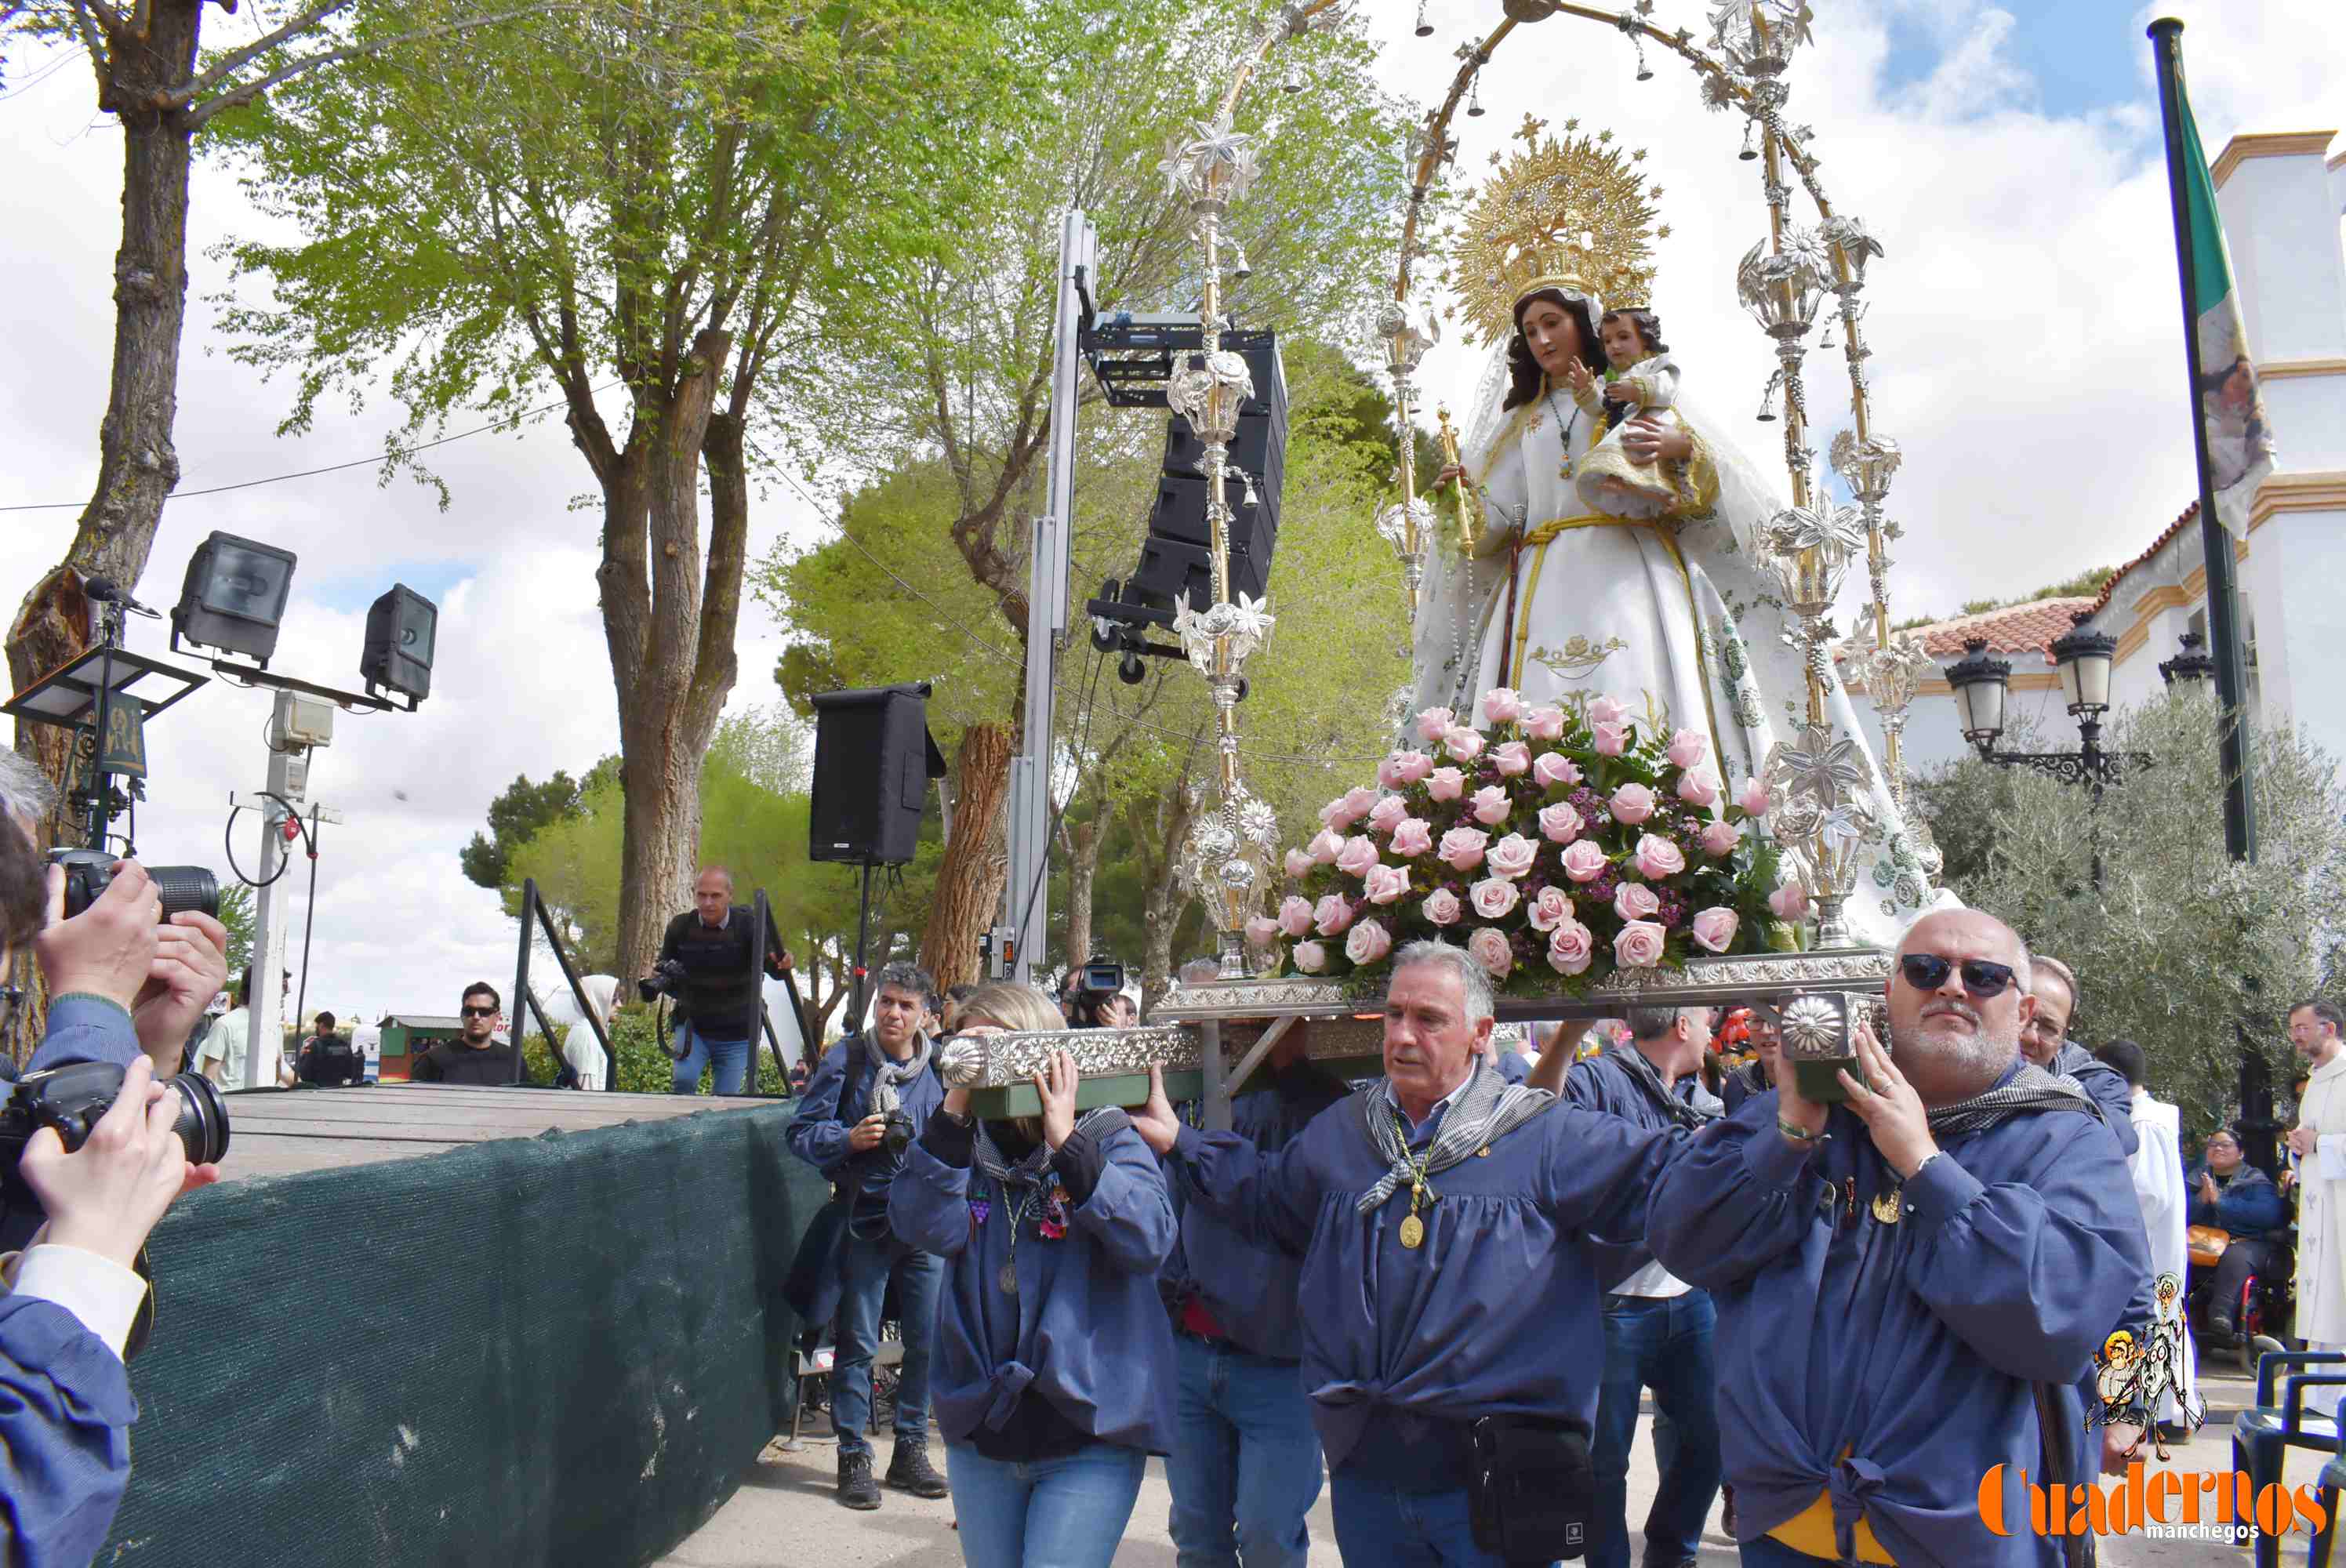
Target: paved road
[(785, 1507)]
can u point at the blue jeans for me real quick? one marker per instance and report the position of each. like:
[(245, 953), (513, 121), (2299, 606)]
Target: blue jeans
[(865, 1267), (1065, 1512), (1375, 1523), (1245, 1465), (1662, 1343), (731, 1057)]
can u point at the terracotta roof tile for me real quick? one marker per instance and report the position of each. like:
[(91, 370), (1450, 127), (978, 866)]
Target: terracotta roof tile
[(2015, 629), (2191, 514)]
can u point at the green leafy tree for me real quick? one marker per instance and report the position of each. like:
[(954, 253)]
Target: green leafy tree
[(2176, 941), (677, 199), (955, 367), (238, 915), (164, 86), (521, 811)]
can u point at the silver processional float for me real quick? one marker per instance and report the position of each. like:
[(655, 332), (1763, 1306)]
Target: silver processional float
[(1571, 206)]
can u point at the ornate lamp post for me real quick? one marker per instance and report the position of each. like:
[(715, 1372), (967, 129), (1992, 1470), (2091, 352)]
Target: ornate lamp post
[(2191, 666), (2084, 658)]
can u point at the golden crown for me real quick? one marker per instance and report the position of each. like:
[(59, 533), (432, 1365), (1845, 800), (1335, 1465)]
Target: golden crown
[(1574, 214)]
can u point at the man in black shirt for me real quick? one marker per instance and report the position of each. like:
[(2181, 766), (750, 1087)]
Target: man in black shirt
[(716, 1000), (477, 1057), (327, 1058)]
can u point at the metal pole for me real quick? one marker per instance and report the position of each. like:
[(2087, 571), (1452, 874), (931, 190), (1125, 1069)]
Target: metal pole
[(2223, 588), (265, 1041), (863, 934), (2255, 1087), (522, 1000), (587, 1009), (101, 802), (1026, 893)]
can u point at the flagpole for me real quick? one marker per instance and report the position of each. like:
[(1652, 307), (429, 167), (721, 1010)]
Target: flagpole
[(2223, 584)]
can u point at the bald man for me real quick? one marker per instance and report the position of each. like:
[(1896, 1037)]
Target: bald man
[(1903, 1280)]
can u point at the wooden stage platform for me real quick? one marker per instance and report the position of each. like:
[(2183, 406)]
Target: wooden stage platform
[(283, 1132)]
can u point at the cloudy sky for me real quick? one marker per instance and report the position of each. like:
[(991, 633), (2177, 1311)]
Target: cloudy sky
[(2024, 321)]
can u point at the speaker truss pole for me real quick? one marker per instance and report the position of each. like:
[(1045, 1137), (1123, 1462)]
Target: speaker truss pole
[(1026, 893)]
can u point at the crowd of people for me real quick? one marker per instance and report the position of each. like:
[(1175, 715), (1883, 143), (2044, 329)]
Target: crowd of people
[(1442, 1293), (1446, 1291)]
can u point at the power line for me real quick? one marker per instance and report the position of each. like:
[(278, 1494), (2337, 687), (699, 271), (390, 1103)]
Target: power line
[(507, 423)]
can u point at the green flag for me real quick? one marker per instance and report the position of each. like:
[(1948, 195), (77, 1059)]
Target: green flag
[(2231, 409)]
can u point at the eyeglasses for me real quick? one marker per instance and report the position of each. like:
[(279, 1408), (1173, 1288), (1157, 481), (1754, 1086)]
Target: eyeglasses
[(480, 1013), (1982, 979)]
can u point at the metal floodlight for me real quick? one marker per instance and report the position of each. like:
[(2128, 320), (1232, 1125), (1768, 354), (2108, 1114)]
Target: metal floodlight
[(234, 597), (401, 628)]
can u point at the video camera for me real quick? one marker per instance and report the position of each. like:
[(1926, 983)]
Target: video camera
[(73, 1098), (1089, 989), (89, 872)]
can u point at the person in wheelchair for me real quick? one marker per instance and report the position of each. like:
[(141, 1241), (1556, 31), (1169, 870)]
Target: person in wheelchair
[(2231, 1196)]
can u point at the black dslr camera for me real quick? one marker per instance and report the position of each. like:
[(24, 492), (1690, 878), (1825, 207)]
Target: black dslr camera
[(73, 1098), (667, 978), (896, 1135), (89, 872), (1088, 989)]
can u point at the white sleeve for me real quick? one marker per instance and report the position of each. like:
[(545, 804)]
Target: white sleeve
[(2158, 1176), (100, 1292), (214, 1048), (2329, 1152), (1506, 498)]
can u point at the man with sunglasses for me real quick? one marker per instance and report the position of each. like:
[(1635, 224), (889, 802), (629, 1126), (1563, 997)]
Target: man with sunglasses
[(476, 1057), (1905, 1279), (2045, 1040)]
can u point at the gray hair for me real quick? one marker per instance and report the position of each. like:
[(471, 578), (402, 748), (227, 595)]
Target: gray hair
[(2046, 963), (1653, 1022), (903, 974), (714, 870), (25, 792), (1473, 978), (1198, 970)]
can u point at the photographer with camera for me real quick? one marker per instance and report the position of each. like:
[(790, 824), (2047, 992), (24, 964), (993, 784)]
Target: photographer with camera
[(706, 969), (93, 1140), (1092, 996), (868, 1100)]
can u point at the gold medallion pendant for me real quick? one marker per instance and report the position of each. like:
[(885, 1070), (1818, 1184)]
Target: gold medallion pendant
[(1412, 1232), (1885, 1206)]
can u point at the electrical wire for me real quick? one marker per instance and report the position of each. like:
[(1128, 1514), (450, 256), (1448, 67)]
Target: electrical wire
[(506, 423), (292, 815)]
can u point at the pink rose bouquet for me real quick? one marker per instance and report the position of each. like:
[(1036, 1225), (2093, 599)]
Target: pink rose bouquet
[(1564, 842)]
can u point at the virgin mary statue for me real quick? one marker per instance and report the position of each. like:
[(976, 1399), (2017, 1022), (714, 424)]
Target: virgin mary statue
[(1676, 616)]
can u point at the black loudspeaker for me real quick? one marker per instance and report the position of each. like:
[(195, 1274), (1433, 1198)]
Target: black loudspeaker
[(874, 758)]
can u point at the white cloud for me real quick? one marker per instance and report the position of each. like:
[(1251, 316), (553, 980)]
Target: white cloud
[(2024, 319)]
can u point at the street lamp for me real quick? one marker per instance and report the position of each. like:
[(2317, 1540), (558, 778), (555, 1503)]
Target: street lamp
[(1979, 684), (2190, 666)]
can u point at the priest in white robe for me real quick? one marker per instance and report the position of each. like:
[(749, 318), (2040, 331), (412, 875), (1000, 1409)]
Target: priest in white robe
[(2318, 1140)]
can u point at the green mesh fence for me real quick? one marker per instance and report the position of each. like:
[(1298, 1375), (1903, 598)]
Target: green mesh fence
[(559, 1351)]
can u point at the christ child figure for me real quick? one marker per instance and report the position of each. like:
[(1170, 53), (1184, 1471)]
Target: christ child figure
[(1641, 379)]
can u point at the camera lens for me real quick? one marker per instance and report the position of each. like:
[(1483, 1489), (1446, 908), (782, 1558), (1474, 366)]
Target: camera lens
[(186, 888), (202, 1120)]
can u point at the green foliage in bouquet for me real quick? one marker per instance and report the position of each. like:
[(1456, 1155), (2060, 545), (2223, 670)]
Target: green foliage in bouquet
[(1559, 845)]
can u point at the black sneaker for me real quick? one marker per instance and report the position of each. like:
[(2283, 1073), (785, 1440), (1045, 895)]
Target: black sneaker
[(856, 1487), (909, 1470)]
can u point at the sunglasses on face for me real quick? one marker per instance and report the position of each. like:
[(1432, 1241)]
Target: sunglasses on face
[(1982, 981), (480, 1013)]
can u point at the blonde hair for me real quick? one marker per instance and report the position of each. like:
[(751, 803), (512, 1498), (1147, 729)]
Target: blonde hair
[(1010, 1005)]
